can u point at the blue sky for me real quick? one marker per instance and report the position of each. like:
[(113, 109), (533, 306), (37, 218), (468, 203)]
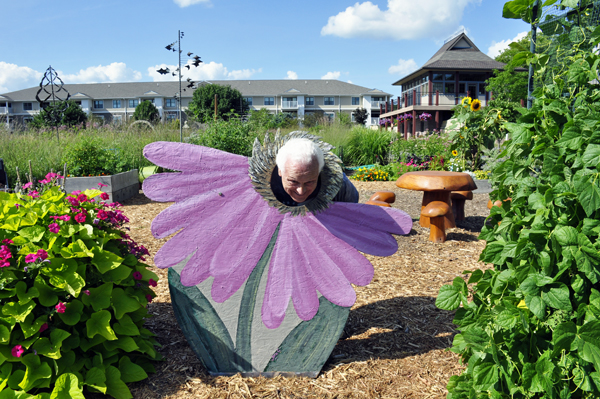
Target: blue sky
[(372, 43)]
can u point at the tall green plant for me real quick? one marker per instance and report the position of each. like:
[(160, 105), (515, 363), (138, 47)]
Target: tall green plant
[(532, 329), (367, 146)]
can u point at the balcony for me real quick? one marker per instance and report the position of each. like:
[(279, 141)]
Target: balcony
[(5, 110), (376, 104), (289, 104)]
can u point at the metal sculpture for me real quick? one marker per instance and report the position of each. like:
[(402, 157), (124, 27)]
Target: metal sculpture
[(52, 87)]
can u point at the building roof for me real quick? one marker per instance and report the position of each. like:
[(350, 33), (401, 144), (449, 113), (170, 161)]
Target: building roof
[(248, 88), (456, 54)]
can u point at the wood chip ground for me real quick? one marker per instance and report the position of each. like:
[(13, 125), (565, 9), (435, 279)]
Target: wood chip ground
[(394, 344)]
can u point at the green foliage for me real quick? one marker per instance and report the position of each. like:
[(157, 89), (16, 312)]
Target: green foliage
[(361, 115), (315, 119), (263, 119), (421, 149), (88, 157), (202, 106), (367, 146), (532, 329), (60, 113), (73, 296), (146, 111), (233, 136), (343, 119)]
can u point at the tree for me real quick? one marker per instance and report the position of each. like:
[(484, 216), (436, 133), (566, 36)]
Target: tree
[(60, 113), (202, 105), (146, 111), (360, 116), (508, 84)]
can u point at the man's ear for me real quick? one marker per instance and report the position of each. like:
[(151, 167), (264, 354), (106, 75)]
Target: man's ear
[(279, 171)]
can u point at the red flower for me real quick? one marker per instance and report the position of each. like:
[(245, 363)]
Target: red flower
[(44, 327), (43, 255), (137, 275), (17, 351), (61, 307), (54, 228), (82, 197), (152, 283), (7, 241), (149, 298), (104, 196), (80, 217)]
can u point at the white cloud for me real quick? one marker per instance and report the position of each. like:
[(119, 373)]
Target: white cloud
[(205, 71), (403, 19), (115, 72), (186, 3), (331, 75), (403, 67), (292, 75), (14, 77), (496, 48)]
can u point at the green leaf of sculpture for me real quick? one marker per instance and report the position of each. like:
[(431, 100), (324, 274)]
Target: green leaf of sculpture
[(99, 323), (126, 326), (35, 370), (588, 341), (131, 372), (123, 303), (115, 385), (99, 297), (96, 379), (105, 260), (67, 387), (72, 313), (448, 298), (33, 233)]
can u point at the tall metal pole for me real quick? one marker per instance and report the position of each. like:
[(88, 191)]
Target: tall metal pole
[(532, 49), (180, 97)]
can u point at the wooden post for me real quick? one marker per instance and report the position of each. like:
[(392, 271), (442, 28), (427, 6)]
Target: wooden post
[(437, 98)]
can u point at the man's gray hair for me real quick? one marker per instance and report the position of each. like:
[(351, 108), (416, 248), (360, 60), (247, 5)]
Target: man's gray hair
[(303, 151)]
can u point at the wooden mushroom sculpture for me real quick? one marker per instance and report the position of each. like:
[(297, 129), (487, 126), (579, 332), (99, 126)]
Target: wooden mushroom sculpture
[(458, 203), (436, 211), (385, 196), (378, 203)]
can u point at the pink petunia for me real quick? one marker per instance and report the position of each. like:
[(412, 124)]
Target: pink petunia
[(313, 253), (137, 275), (42, 254), (7, 241), (30, 258), (17, 351), (73, 201), (27, 185), (5, 252), (100, 185), (66, 218), (60, 307), (54, 228), (43, 327), (80, 217), (86, 292), (104, 196), (34, 194), (152, 283), (82, 197), (149, 298), (4, 263)]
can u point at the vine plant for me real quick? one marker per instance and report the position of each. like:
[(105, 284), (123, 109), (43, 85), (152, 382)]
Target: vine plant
[(532, 329)]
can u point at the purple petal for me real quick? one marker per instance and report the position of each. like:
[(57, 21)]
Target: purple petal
[(190, 157), (279, 283), (167, 187), (194, 209), (366, 227)]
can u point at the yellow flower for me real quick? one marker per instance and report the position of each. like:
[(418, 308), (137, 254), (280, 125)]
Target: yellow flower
[(454, 153), (475, 105), (461, 137), (467, 100)]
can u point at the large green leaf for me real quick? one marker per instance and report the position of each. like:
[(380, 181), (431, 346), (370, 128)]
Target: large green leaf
[(126, 326), (36, 370), (105, 260), (115, 385), (557, 296), (563, 337), (99, 323), (591, 156), (449, 297), (588, 342), (98, 297), (131, 372), (485, 375), (67, 387), (96, 378), (587, 187), (33, 233), (73, 313), (123, 303)]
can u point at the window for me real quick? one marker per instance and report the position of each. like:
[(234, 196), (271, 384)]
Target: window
[(171, 102), (269, 101), (116, 103), (248, 101), (310, 101), (355, 101), (329, 101), (449, 88), (78, 103), (98, 104), (133, 103), (171, 115), (482, 88), (449, 76), (27, 106)]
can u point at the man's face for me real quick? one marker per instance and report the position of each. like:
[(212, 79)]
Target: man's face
[(300, 180)]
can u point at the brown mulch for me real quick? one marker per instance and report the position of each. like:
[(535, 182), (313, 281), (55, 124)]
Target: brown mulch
[(395, 341)]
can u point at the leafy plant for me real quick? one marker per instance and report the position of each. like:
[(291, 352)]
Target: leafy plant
[(146, 111), (61, 113), (88, 157), (233, 136), (73, 295), (366, 146), (421, 149), (532, 329), (361, 115), (202, 105)]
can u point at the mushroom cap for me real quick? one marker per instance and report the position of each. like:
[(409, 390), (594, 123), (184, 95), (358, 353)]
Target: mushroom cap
[(385, 196), (378, 203), (436, 208), (466, 195), (434, 180)]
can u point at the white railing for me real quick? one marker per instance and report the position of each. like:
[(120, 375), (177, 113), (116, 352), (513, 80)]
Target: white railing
[(377, 103), (4, 110), (289, 104), (445, 99)]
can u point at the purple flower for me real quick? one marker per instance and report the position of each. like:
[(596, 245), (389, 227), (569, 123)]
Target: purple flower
[(312, 253), (54, 228), (44, 327)]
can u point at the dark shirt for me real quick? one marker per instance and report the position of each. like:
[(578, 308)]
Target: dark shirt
[(347, 192)]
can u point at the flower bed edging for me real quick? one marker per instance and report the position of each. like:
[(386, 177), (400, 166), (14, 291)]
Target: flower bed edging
[(483, 187), (119, 187)]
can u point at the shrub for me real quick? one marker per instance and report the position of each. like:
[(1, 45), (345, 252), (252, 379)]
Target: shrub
[(74, 296), (370, 174), (233, 136), (422, 149), (146, 111), (366, 146), (88, 157)]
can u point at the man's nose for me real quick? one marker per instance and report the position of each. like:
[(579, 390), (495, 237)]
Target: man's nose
[(300, 190)]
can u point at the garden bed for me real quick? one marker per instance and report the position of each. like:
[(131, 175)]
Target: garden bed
[(119, 187), (395, 342)]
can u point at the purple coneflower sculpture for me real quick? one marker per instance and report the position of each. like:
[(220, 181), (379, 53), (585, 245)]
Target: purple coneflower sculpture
[(231, 228)]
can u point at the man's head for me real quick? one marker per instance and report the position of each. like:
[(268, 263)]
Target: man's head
[(299, 162)]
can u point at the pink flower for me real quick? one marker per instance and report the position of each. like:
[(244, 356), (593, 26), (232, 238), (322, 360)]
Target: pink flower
[(80, 217), (104, 196), (27, 185), (66, 218), (44, 181), (34, 194), (7, 241), (137, 275), (102, 214), (54, 228), (86, 292), (4, 263), (30, 258), (5, 252), (100, 185), (44, 327), (42, 254), (61, 307), (82, 197), (17, 351), (149, 298), (76, 192), (152, 283), (73, 201)]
